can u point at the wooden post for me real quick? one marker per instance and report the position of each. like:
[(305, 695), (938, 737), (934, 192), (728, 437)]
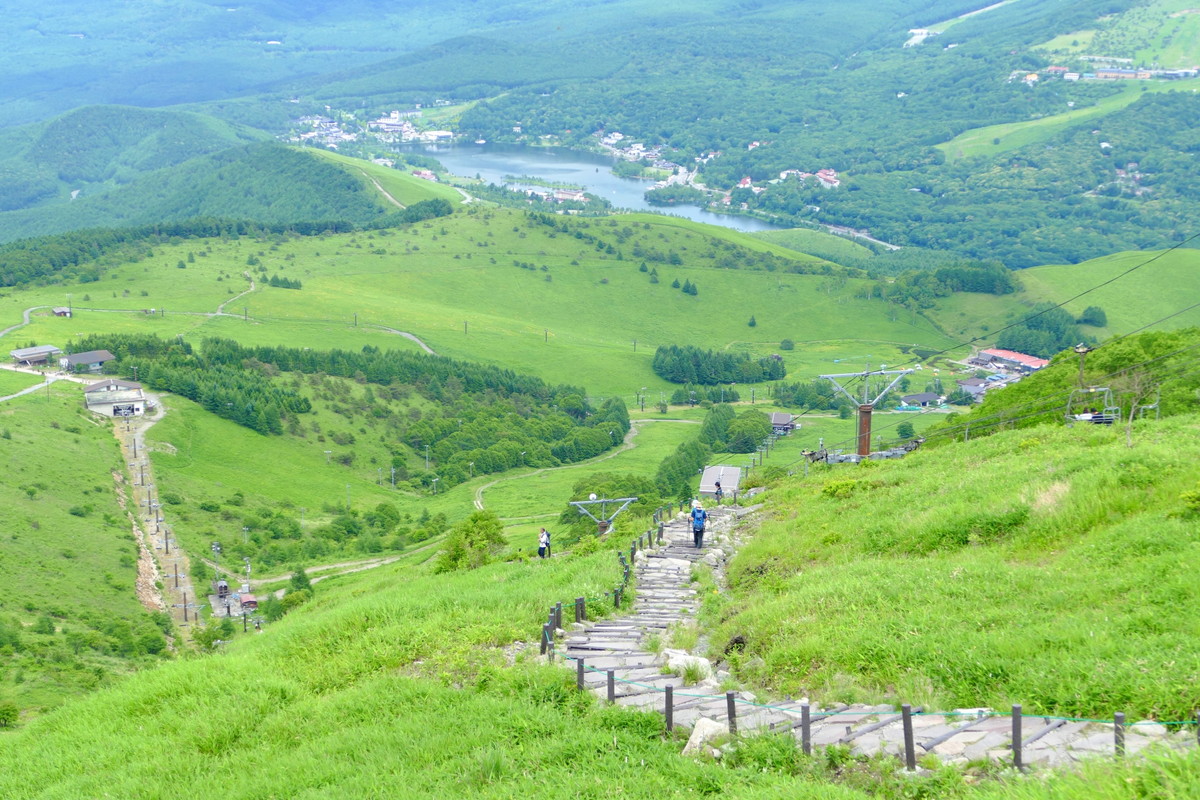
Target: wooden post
[(579, 673), (617, 598), (1119, 733), (612, 686), (185, 616), (558, 615), (545, 638), (805, 729), (670, 708), (661, 528), (1016, 735), (731, 710), (910, 752)]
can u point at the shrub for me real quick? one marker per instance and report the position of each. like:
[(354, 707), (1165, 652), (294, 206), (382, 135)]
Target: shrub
[(787, 344)]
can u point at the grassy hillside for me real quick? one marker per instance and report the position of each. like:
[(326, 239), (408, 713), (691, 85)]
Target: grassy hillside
[(1157, 290), (997, 139), (825, 245), (533, 298), (404, 188), (1065, 587), (265, 183), (401, 676), (1161, 32), (99, 147), (69, 619)]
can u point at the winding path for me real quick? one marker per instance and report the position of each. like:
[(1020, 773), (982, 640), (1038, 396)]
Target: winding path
[(221, 308), (382, 190), (626, 444), (24, 320)]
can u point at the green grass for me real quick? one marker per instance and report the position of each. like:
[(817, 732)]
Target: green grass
[(13, 382), (1154, 291), (393, 676), (398, 677), (67, 552), (1064, 587), (1015, 135), (1165, 33), (835, 248), (404, 187), (545, 492), (430, 279)]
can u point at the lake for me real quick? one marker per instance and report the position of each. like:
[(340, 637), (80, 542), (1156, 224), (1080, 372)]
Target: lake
[(492, 162)]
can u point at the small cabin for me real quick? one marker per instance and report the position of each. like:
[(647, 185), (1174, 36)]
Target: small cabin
[(249, 602), (222, 589)]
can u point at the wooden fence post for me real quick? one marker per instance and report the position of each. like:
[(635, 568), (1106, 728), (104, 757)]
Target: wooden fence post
[(1119, 733), (579, 673), (670, 708), (1016, 735), (731, 710), (612, 686), (910, 752)]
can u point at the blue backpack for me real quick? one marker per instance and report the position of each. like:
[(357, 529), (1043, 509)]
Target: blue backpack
[(698, 518)]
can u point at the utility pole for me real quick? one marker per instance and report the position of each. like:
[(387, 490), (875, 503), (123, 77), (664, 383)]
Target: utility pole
[(866, 404), (1082, 350)]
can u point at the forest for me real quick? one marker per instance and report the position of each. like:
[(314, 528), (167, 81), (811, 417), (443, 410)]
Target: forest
[(689, 364), (482, 419)]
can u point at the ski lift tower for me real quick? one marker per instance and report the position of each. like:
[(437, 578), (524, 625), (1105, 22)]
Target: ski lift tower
[(866, 404), (605, 519)]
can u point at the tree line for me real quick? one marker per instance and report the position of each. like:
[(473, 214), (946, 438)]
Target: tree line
[(689, 364)]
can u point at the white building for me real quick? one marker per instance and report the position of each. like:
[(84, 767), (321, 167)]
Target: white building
[(113, 397)]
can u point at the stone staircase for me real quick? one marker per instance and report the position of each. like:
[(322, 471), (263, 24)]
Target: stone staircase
[(618, 665)]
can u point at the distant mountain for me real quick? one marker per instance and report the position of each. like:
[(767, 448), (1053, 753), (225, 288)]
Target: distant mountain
[(263, 182), (103, 146)]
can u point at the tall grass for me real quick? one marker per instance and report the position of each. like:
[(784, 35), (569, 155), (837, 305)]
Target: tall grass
[(1049, 567)]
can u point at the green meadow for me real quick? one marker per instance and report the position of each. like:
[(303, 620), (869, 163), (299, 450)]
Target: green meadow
[(1065, 588), (68, 558), (396, 677), (1015, 135), (572, 314), (835, 248), (403, 187), (13, 382), (1159, 289), (1165, 33)]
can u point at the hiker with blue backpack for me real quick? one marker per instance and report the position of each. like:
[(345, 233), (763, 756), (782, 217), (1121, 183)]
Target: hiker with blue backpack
[(699, 517)]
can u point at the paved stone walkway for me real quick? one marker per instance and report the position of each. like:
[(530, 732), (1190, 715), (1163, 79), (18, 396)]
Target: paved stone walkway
[(665, 597)]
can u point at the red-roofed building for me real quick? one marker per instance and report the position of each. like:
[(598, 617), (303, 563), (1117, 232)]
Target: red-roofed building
[(1011, 358)]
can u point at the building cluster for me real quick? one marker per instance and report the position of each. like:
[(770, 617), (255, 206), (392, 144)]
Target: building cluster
[(1000, 368), (393, 127), (828, 178), (1108, 73), (110, 397), (324, 131), (635, 151)]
